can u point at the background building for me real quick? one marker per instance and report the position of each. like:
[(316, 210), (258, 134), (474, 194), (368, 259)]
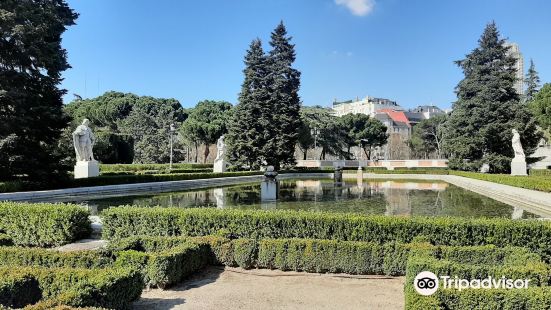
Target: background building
[(514, 51), (367, 105)]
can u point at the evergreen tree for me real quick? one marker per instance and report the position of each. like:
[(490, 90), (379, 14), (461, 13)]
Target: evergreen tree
[(245, 138), (532, 82), (31, 63), (283, 108), (487, 108)]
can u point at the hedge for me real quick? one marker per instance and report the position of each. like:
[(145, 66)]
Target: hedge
[(44, 224), (120, 222), (38, 257), (535, 182), (540, 172), (140, 167), (109, 288), (513, 263)]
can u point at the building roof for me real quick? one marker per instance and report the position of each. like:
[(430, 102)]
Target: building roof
[(397, 116)]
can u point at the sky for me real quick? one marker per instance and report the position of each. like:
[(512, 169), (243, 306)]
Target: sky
[(193, 50)]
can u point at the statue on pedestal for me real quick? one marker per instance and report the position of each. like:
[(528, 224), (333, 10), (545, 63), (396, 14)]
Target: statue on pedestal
[(220, 161), (83, 140), (518, 164)]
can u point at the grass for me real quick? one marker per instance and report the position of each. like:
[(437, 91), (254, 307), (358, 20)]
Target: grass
[(535, 182)]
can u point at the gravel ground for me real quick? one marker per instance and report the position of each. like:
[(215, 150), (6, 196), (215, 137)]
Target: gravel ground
[(235, 288)]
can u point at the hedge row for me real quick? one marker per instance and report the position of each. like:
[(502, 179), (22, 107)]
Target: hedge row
[(513, 263), (121, 222), (39, 257), (540, 172), (140, 167), (173, 171), (43, 224), (109, 288), (535, 182)]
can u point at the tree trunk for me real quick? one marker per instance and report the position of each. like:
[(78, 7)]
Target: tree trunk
[(304, 152), (196, 151), (207, 152)]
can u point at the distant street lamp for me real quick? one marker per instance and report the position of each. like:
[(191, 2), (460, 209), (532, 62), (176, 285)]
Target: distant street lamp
[(314, 132), (172, 130)]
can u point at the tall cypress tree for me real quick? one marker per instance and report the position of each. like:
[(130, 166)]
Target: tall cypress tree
[(31, 63), (283, 109), (245, 138), (532, 82), (487, 108)]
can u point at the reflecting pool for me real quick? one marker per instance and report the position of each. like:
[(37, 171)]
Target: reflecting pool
[(388, 197)]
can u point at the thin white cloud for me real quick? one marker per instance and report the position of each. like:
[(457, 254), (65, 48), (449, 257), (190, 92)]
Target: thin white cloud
[(357, 7)]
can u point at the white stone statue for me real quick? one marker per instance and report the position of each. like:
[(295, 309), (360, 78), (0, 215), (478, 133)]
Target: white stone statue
[(220, 161), (518, 164), (517, 146), (84, 140)]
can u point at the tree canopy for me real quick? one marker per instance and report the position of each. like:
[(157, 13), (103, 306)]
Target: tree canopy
[(488, 108), (541, 107), (130, 128), (207, 122), (426, 137), (31, 63), (364, 131), (532, 82)]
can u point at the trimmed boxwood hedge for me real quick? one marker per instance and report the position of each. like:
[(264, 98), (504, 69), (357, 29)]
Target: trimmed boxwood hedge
[(109, 288), (513, 263), (140, 167), (38, 257), (44, 224), (120, 222)]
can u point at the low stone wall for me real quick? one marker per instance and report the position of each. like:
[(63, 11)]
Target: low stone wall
[(389, 164)]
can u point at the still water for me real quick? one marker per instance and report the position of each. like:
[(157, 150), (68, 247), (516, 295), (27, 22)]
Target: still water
[(388, 197)]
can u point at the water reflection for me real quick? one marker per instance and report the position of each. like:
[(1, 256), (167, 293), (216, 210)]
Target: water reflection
[(388, 197)]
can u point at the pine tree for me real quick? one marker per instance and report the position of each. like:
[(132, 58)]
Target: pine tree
[(487, 108), (31, 63), (283, 109), (532, 82), (245, 138)]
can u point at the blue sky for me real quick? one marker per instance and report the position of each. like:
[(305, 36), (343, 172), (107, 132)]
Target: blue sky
[(193, 50)]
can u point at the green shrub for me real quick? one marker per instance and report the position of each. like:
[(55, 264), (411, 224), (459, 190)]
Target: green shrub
[(540, 172), (43, 224), (109, 288), (140, 167), (18, 256), (11, 186), (479, 263), (166, 267), (535, 182), (122, 222)]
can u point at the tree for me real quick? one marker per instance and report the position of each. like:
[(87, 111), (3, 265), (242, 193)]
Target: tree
[(331, 135), (487, 108), (426, 137), (31, 63), (207, 122), (129, 128), (305, 138), (364, 131), (283, 108), (246, 133), (541, 107), (532, 82)]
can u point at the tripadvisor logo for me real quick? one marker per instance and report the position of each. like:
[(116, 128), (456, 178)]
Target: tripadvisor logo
[(426, 283)]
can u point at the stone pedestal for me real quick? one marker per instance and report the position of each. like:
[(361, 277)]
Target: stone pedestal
[(518, 166), (86, 169), (269, 187), (220, 166)]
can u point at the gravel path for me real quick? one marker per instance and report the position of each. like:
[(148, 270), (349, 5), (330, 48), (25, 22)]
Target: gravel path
[(235, 288)]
